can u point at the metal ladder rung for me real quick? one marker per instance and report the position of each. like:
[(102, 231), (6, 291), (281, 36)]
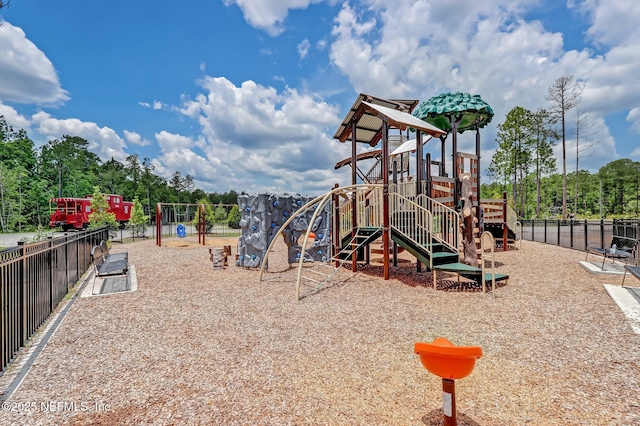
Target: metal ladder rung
[(317, 272), (311, 279), (327, 265)]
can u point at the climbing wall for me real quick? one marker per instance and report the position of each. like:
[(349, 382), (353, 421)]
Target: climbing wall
[(262, 218)]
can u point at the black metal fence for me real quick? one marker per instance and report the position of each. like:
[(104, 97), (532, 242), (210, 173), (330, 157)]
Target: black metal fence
[(34, 278), (577, 234)]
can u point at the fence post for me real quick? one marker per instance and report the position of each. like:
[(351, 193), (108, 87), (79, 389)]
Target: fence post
[(51, 275), (545, 231), (586, 234), (66, 262), (23, 298), (558, 241), (571, 233), (601, 233)]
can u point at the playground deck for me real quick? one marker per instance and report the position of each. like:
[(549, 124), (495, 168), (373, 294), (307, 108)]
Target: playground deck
[(195, 345)]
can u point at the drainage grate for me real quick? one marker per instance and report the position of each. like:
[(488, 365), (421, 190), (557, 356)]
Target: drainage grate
[(115, 285)]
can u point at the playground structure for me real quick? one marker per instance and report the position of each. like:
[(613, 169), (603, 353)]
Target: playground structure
[(176, 217), (436, 218)]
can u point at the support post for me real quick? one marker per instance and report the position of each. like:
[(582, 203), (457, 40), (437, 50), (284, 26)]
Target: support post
[(419, 177), (478, 166), (158, 225), (354, 201), (505, 230), (204, 223), (443, 155), (419, 161), (385, 197), (428, 176), (335, 234), (454, 167), (449, 402)]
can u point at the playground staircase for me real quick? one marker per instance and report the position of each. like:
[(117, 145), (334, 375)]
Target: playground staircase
[(420, 229), (357, 243), (431, 254)]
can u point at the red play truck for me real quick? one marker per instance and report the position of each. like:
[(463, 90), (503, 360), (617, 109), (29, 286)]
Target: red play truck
[(73, 213)]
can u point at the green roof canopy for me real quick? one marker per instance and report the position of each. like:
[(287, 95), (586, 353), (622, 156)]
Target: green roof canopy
[(461, 110)]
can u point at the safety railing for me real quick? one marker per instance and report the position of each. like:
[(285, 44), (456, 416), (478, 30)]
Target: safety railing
[(412, 220), (345, 217), (34, 278), (446, 222), (577, 234), (369, 209)]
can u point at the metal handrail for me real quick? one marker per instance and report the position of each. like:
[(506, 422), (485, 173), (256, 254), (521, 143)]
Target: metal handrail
[(408, 214), (369, 202), (446, 222)]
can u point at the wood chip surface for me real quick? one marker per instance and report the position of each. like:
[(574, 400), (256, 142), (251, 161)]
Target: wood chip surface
[(194, 345)]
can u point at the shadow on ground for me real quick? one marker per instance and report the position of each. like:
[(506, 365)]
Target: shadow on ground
[(406, 274), (436, 418)]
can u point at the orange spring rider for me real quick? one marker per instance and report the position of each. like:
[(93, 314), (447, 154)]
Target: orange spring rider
[(445, 360)]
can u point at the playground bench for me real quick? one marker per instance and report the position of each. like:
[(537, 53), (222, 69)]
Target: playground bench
[(110, 267), (112, 257), (633, 270), (625, 250)]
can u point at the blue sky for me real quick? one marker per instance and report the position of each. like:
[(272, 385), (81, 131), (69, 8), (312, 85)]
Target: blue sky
[(247, 94)]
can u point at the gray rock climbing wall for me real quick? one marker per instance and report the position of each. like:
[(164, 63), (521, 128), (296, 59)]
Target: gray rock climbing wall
[(262, 217)]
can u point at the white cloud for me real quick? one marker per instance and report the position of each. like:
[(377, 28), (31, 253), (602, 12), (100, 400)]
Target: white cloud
[(28, 76), (135, 138), (104, 141), (156, 105), (418, 49), (613, 22), (257, 139), (303, 48), (14, 119), (269, 15)]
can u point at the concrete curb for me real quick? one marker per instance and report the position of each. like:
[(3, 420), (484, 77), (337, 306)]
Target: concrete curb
[(627, 299)]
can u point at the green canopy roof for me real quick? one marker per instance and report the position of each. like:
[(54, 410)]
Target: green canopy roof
[(448, 108)]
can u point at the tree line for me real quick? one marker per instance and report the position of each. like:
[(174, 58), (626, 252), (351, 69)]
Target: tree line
[(525, 167), (30, 177), (612, 191)]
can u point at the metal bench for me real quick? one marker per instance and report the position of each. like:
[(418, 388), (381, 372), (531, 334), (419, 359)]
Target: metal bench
[(111, 257), (111, 267), (633, 270), (625, 250)]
